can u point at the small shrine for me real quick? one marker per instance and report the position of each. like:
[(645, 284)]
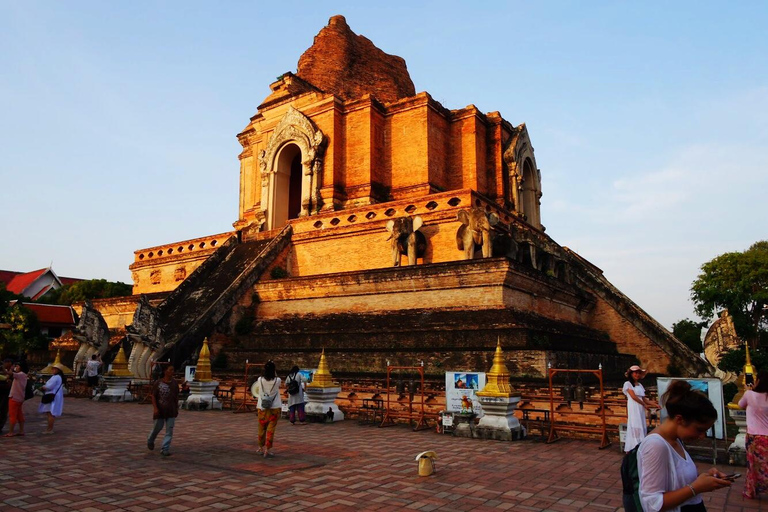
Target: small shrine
[(117, 380), (499, 402), (48, 370), (202, 390), (321, 393)]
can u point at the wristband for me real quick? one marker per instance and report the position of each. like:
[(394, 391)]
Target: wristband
[(692, 490)]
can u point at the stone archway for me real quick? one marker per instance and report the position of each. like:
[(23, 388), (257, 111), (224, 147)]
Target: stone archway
[(295, 135), (524, 177)]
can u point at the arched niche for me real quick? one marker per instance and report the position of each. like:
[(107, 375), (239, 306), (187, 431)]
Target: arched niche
[(291, 170), (524, 177)]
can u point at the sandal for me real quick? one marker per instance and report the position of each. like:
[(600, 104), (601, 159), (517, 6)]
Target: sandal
[(11, 435)]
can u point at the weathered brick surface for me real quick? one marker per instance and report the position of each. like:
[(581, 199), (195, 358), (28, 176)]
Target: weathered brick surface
[(348, 65)]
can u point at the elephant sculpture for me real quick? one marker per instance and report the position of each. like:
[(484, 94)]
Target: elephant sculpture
[(406, 239), (475, 230)]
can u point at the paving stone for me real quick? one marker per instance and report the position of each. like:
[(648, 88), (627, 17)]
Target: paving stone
[(347, 467)]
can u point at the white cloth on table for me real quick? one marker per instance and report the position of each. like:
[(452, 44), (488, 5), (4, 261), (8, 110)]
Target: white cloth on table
[(661, 470), (270, 388), (54, 385), (298, 398), (637, 425)]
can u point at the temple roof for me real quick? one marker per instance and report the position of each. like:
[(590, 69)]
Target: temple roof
[(350, 66)]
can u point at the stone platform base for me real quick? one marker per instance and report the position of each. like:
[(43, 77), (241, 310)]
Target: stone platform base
[(201, 396), (117, 390), (499, 434)]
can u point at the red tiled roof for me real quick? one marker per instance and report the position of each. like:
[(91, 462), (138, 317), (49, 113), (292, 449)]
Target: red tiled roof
[(50, 314), (70, 280), (6, 276), (20, 282)]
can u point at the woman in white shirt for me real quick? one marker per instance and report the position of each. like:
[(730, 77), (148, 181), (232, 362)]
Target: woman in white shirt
[(669, 479), (54, 385), (270, 406), (637, 404)]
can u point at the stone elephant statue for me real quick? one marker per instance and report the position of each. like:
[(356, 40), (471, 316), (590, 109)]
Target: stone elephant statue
[(406, 239), (475, 230)]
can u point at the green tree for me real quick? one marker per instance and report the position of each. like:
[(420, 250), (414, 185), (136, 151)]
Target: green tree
[(689, 332), (737, 281), (24, 332), (734, 359), (83, 290)]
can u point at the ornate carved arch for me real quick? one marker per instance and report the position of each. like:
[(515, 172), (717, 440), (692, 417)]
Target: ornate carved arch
[(518, 150), (295, 128)]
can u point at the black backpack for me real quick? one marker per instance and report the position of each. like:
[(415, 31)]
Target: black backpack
[(293, 385), (630, 481)]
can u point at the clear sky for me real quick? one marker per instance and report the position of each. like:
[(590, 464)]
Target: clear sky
[(649, 120)]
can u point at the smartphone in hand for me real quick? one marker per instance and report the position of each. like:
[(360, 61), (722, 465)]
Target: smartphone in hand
[(732, 476)]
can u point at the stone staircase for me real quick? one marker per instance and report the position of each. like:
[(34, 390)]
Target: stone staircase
[(192, 311)]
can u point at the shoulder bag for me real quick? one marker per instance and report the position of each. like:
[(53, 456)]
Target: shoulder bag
[(48, 397)]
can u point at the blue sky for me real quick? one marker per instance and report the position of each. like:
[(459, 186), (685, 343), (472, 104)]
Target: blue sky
[(649, 121)]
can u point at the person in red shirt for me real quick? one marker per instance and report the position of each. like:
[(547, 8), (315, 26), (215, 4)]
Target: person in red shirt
[(165, 404)]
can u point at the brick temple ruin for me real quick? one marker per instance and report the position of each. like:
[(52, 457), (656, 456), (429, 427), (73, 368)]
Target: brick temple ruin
[(382, 226)]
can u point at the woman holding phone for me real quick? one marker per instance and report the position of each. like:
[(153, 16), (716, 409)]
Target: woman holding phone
[(755, 401), (669, 479)]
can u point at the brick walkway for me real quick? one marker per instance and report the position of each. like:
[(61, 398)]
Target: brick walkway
[(98, 460)]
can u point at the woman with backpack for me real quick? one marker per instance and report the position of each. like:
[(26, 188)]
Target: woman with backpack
[(755, 401), (270, 405), (669, 479), (294, 384), (637, 403)]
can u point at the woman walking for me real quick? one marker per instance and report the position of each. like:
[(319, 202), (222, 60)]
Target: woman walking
[(270, 406), (669, 479), (294, 384), (755, 401), (55, 386), (16, 401), (637, 404), (165, 404)]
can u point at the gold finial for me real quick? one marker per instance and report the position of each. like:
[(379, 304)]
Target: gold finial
[(497, 378), (120, 365), (742, 382), (48, 370), (322, 378), (203, 371)]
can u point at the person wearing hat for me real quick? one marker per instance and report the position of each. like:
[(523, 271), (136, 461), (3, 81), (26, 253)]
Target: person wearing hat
[(54, 385), (637, 403)]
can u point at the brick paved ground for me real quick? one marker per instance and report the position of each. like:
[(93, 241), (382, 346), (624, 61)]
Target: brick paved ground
[(98, 460)]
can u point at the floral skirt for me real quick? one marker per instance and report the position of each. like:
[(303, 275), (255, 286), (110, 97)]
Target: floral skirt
[(757, 466)]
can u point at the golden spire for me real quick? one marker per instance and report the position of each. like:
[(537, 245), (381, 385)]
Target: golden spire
[(203, 371), (497, 378), (742, 382), (120, 365), (322, 378), (48, 370)]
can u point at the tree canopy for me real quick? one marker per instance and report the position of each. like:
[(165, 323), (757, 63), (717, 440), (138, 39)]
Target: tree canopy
[(737, 281), (689, 332), (83, 290), (734, 360), (24, 332)]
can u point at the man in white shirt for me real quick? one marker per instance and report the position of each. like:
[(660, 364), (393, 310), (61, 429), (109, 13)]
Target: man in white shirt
[(92, 371)]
